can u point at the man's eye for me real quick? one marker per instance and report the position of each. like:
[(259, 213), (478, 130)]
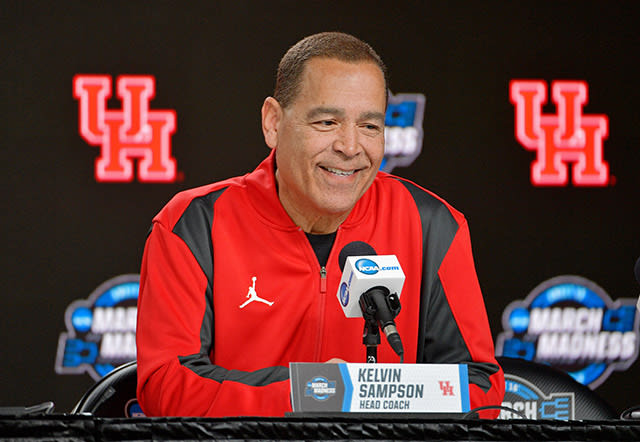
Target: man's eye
[(372, 127), (325, 123)]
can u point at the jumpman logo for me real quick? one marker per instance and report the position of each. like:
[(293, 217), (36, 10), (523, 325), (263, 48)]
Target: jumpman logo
[(253, 296)]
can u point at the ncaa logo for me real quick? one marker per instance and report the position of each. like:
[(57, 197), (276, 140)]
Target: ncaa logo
[(132, 409), (367, 266), (344, 294)]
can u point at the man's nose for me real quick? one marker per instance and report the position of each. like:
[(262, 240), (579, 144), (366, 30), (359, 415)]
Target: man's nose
[(347, 141)]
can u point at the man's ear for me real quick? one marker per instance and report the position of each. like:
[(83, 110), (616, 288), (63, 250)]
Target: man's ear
[(271, 117)]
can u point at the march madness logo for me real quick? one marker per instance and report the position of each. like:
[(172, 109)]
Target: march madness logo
[(134, 131), (403, 131), (101, 330), (567, 137), (572, 324), (526, 398), (320, 388)]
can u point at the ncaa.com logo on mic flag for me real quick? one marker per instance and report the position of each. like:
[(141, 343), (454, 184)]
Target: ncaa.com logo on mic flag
[(369, 267)]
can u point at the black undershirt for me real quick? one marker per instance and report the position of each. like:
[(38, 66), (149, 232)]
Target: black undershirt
[(321, 245)]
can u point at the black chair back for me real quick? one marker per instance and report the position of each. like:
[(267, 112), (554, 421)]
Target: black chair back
[(112, 396), (542, 392)]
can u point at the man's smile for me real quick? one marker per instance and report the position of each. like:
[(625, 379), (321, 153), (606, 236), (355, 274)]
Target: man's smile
[(340, 172)]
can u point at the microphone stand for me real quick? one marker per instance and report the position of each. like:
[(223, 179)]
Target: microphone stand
[(371, 334), (374, 303)]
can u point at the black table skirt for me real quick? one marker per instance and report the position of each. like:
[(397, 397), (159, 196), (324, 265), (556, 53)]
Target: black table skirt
[(87, 428)]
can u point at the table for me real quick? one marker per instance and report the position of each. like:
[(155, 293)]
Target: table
[(87, 428)]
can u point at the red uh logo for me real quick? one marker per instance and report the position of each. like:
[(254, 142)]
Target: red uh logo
[(131, 132), (446, 387), (569, 136)]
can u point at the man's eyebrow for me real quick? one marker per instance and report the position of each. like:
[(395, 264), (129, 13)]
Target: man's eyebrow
[(317, 111), (373, 116)]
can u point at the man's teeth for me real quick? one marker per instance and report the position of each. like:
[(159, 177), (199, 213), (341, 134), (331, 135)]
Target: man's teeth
[(340, 172)]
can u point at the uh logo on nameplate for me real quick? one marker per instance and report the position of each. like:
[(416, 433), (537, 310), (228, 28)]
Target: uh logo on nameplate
[(379, 388)]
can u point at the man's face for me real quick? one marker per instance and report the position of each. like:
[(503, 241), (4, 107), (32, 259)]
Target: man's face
[(330, 140)]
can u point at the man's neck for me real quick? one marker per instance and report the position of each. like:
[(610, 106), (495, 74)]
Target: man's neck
[(308, 219), (317, 225)]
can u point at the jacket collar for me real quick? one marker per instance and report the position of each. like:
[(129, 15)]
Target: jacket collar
[(263, 195)]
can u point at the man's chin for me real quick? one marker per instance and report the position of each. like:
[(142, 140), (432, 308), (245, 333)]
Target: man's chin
[(337, 207)]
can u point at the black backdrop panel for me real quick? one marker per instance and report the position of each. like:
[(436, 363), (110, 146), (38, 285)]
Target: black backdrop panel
[(214, 62)]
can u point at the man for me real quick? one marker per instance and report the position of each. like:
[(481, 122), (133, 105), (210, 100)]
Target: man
[(239, 277)]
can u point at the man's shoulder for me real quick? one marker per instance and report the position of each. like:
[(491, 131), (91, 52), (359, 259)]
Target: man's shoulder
[(201, 197), (427, 202)]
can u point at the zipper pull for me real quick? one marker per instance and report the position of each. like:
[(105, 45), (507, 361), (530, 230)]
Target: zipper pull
[(323, 279)]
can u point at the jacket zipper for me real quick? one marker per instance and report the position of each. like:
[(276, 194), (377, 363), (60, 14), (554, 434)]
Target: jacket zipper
[(323, 279), (322, 301)]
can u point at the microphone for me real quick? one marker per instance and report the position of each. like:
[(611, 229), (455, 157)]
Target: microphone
[(370, 286), (380, 304), (354, 248)]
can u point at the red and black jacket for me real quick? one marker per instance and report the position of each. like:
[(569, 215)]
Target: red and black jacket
[(200, 354)]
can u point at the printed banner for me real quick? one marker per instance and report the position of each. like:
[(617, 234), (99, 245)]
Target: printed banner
[(101, 330), (572, 324)]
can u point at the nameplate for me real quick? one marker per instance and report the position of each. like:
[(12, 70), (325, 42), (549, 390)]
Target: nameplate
[(379, 388)]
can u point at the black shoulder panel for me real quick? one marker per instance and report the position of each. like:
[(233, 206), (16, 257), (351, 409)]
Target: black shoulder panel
[(439, 339), (438, 229), (194, 227)]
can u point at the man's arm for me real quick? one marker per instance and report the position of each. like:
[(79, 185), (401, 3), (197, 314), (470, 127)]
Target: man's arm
[(458, 325), (174, 338), (453, 321)]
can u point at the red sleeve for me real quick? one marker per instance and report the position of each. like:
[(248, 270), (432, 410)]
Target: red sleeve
[(171, 309), (458, 277)]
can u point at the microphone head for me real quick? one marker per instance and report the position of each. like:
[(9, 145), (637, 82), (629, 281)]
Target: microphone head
[(364, 272), (354, 248)]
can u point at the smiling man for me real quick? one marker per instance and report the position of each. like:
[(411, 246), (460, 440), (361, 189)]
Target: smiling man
[(329, 142), (239, 277)]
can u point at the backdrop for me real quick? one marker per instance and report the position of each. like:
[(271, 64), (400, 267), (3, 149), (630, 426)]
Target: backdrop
[(64, 233)]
